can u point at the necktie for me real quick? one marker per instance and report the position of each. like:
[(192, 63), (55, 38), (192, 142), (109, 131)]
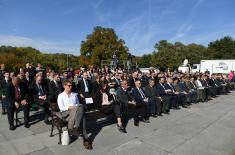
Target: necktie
[(85, 84), (17, 93), (40, 90), (193, 84), (163, 86), (171, 88), (141, 93)]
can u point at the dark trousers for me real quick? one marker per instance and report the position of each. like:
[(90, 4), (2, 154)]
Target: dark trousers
[(166, 103), (193, 96), (152, 104), (173, 101), (45, 105), (181, 99), (11, 111), (112, 108), (140, 110), (201, 94), (208, 93), (4, 105)]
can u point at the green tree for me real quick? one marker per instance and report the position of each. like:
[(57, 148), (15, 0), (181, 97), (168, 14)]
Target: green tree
[(222, 49), (100, 45)]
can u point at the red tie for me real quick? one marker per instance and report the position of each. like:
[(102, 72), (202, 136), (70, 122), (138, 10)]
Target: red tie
[(17, 93)]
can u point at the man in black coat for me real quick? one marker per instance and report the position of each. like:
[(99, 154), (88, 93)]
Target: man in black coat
[(55, 88), (84, 88), (213, 83), (165, 95), (40, 96), (124, 98), (154, 97), (3, 85), (142, 103), (177, 98), (16, 96)]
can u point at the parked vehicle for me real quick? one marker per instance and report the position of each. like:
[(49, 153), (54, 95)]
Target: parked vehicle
[(214, 66)]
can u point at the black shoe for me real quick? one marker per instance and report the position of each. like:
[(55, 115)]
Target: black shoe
[(136, 123), (146, 120), (12, 127), (160, 114), (121, 129), (177, 108), (184, 106), (26, 125), (154, 115)]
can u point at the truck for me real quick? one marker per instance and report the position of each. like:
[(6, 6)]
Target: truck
[(214, 66)]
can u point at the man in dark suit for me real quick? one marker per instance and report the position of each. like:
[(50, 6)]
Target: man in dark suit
[(55, 88), (208, 90), (181, 96), (16, 96), (216, 88), (3, 85), (154, 97), (37, 89), (141, 102), (84, 87), (176, 96), (124, 99), (165, 95)]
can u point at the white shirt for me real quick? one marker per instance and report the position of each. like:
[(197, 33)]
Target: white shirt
[(198, 83), (64, 101)]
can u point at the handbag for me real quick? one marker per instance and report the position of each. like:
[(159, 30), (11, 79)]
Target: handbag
[(65, 138)]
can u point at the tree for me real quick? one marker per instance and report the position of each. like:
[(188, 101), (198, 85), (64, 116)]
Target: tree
[(100, 45), (222, 49)]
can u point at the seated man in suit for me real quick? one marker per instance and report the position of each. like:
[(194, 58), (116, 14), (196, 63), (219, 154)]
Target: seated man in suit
[(165, 94), (142, 102), (38, 90), (215, 85), (16, 96), (73, 112), (177, 97), (154, 97), (55, 88), (182, 96), (84, 88), (208, 89), (201, 90)]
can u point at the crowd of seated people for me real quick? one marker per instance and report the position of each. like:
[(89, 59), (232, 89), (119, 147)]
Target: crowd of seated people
[(117, 92)]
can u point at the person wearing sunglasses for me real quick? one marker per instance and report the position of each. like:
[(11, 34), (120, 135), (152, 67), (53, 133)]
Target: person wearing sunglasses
[(73, 112)]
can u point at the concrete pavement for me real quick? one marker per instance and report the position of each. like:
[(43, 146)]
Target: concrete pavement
[(204, 129)]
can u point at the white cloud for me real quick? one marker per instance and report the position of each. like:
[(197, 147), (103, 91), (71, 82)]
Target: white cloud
[(42, 45), (182, 31)]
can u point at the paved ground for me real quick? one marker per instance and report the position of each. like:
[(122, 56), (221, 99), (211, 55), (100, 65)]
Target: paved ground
[(204, 129)]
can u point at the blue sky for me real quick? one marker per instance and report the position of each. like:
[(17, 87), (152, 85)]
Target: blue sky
[(61, 25)]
